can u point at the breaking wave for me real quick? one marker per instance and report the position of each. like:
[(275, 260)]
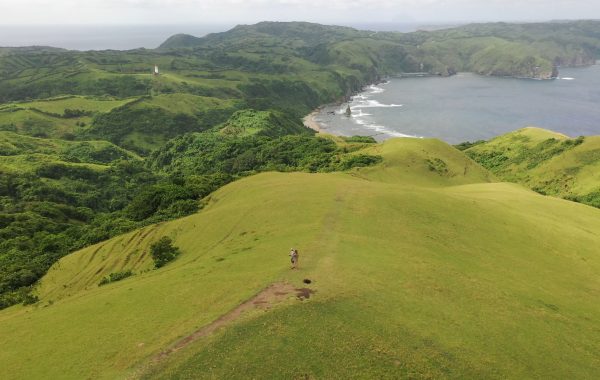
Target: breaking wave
[(369, 103)]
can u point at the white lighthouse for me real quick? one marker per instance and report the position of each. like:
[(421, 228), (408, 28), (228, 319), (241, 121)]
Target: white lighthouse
[(155, 69)]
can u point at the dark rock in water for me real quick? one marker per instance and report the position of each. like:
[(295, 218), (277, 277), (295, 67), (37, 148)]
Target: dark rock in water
[(555, 72), (348, 110)]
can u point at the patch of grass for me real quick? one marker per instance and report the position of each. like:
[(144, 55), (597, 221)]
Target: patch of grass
[(59, 106), (361, 139)]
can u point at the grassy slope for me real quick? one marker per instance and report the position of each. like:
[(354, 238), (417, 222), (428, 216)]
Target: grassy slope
[(42, 118), (59, 105), (572, 173), (29, 122), (418, 272), (184, 103), (24, 154)]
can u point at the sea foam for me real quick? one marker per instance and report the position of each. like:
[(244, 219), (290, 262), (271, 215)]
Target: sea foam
[(374, 104), (375, 90)]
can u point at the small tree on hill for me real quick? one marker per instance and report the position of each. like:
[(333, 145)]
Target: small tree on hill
[(163, 251)]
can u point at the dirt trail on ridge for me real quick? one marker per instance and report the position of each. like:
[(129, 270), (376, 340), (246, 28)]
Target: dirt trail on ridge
[(267, 298)]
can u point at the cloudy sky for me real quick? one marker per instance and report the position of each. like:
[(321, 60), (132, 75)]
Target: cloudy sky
[(248, 11)]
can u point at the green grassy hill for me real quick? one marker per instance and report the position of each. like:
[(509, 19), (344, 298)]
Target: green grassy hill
[(421, 264), (420, 267), (266, 123), (547, 162)]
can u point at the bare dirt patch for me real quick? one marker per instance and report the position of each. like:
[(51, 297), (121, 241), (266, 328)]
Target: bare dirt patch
[(266, 299)]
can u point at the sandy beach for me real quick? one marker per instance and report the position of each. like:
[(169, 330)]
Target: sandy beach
[(310, 122)]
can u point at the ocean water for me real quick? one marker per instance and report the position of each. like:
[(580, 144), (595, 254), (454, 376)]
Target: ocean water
[(469, 107), (100, 37)]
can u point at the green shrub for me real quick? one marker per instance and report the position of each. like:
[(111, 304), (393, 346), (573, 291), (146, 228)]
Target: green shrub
[(437, 165), (30, 299), (359, 160), (115, 276), (468, 144), (361, 139), (163, 251)]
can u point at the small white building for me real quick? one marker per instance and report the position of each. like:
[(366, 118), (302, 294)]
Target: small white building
[(155, 69)]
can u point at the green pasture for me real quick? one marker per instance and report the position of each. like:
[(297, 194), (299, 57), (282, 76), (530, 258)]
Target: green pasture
[(416, 272)]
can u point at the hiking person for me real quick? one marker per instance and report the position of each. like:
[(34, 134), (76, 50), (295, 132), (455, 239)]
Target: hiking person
[(294, 257)]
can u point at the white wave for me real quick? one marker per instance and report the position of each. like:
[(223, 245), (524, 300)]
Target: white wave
[(567, 78), (375, 90), (380, 129), (387, 131), (375, 104), (357, 112)]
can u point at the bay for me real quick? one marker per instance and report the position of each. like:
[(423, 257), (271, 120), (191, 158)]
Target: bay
[(468, 107)]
